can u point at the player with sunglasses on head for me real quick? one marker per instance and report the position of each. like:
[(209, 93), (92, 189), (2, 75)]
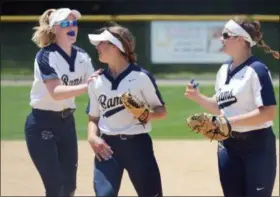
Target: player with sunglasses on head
[(245, 96), (121, 140), (61, 72)]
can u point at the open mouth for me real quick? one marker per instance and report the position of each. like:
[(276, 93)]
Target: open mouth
[(71, 33)]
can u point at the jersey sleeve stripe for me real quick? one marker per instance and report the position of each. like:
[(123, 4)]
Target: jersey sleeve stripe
[(43, 60), (155, 86), (266, 86)]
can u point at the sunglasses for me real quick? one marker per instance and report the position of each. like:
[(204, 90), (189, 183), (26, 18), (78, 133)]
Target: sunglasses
[(66, 23), (227, 35)]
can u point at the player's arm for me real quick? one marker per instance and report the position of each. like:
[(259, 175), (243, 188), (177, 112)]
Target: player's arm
[(93, 130), (255, 117), (153, 98), (264, 98), (208, 103), (45, 66), (60, 92), (99, 146), (157, 113), (93, 112)]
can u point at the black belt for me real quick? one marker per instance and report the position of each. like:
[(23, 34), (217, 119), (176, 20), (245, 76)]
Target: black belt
[(61, 114), (120, 136)]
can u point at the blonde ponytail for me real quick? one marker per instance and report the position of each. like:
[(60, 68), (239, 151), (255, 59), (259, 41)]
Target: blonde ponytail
[(43, 36)]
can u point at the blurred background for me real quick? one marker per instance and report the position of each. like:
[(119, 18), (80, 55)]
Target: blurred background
[(177, 40)]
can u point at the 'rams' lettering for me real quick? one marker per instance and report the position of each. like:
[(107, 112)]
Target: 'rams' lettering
[(66, 81), (225, 99), (108, 103), (225, 96)]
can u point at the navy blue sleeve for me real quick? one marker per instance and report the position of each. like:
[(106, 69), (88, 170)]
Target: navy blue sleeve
[(47, 72), (153, 81), (262, 85)]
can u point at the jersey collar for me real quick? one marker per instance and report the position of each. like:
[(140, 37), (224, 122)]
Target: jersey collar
[(69, 59), (115, 82), (230, 73)]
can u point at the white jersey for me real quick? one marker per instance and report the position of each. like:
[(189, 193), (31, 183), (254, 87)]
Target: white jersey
[(52, 62), (105, 103), (244, 89)]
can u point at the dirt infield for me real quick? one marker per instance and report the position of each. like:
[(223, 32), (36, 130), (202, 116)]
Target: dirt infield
[(187, 169)]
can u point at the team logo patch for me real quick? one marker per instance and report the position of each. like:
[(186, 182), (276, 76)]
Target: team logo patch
[(46, 135)]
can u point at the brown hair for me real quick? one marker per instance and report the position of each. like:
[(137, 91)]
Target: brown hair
[(253, 28), (126, 38), (43, 36)]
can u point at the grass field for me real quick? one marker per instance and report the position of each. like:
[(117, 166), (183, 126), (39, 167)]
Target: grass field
[(15, 107)]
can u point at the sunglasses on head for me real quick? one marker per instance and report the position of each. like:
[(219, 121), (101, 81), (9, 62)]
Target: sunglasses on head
[(67, 23), (227, 35)]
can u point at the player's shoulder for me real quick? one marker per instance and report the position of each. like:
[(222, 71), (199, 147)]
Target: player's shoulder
[(258, 67), (43, 55), (46, 50), (143, 73)]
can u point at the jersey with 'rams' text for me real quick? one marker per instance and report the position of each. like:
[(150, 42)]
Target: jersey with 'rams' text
[(244, 89), (104, 93), (52, 62)]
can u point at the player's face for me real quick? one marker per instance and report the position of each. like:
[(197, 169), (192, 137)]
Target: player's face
[(106, 51), (230, 43), (67, 30)]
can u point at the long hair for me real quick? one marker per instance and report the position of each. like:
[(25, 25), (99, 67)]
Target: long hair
[(254, 30), (43, 36)]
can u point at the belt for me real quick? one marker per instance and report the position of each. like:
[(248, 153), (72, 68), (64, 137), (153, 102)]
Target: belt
[(61, 114), (120, 136), (66, 113)]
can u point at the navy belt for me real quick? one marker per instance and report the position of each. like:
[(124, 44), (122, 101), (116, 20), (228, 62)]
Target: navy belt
[(61, 114)]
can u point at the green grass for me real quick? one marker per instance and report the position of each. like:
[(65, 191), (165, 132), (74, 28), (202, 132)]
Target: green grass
[(15, 107)]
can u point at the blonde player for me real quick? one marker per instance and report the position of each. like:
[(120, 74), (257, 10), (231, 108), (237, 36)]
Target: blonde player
[(61, 71), (245, 95), (116, 137)]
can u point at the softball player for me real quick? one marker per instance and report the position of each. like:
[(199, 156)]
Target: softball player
[(61, 71), (245, 95), (117, 138)]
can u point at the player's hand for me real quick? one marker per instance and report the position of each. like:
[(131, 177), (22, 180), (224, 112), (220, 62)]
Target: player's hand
[(94, 75), (192, 91), (101, 149)]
